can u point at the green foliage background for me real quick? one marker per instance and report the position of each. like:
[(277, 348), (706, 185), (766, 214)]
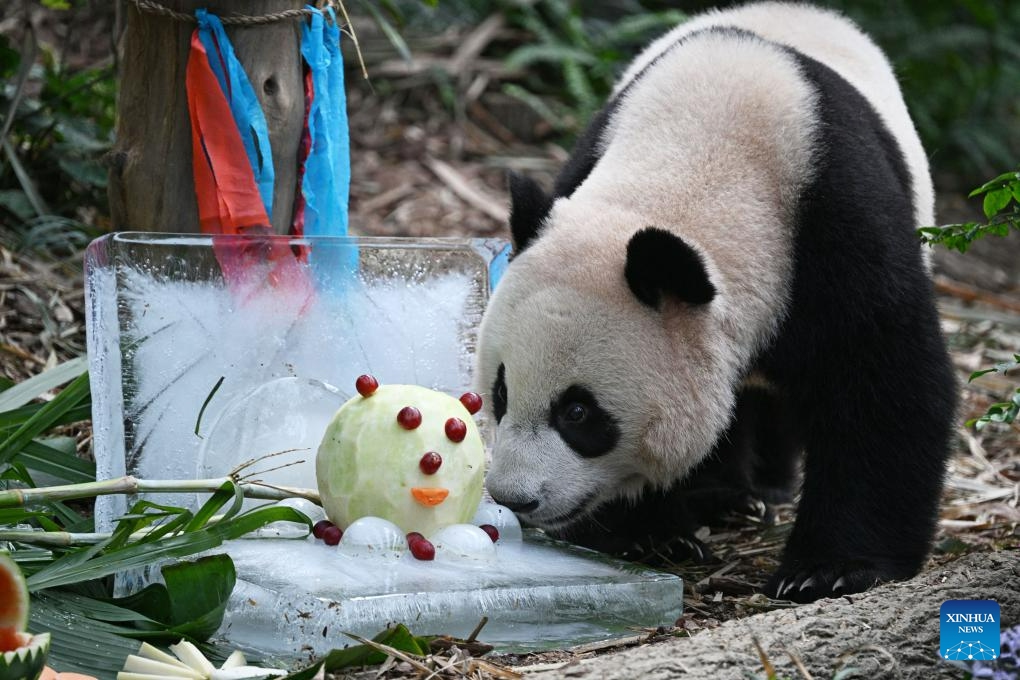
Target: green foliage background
[(958, 61)]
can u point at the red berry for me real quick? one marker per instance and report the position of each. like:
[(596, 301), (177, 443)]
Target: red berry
[(456, 430), (332, 535), (422, 549), (414, 536), (366, 385), (409, 417), (321, 526), (430, 462), (491, 530), (472, 402)]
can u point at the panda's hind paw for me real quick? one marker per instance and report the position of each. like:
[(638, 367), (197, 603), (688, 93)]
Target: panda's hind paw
[(829, 580)]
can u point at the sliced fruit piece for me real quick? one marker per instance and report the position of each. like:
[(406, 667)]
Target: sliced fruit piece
[(28, 660), (13, 596), (429, 495)]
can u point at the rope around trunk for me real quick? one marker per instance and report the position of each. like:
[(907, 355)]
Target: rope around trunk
[(152, 7)]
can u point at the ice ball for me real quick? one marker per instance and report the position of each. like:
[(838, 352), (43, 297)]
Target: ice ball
[(501, 517), (372, 536), (405, 453), (463, 541)]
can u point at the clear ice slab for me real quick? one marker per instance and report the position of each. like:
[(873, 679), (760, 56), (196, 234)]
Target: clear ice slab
[(199, 365)]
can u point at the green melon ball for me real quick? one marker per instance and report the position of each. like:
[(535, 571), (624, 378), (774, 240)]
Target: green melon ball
[(369, 464)]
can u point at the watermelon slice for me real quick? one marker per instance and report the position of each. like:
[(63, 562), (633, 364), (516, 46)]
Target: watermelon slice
[(22, 655)]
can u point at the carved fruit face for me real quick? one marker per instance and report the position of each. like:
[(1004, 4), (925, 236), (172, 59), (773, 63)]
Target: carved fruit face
[(405, 453)]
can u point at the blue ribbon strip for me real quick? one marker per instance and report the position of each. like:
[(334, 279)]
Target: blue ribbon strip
[(326, 183)]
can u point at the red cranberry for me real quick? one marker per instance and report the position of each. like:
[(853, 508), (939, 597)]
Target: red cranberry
[(422, 549), (414, 536), (366, 385), (456, 430), (491, 530), (430, 462), (321, 526), (332, 535), (472, 402), (409, 417)]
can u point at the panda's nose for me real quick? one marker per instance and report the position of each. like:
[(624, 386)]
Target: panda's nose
[(517, 506)]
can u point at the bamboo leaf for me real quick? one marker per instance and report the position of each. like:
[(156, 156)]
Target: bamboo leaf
[(89, 564), (45, 417), (35, 386), (11, 420), (79, 644), (42, 457), (391, 33)]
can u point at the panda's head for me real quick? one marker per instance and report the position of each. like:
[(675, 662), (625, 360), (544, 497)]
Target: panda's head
[(600, 359)]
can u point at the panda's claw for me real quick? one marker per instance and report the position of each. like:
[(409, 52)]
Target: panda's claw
[(827, 580)]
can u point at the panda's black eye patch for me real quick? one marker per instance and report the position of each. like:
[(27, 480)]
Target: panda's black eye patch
[(584, 425), (499, 394)]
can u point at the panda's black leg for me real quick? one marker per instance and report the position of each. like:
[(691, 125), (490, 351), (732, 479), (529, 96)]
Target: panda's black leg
[(658, 529), (875, 401)]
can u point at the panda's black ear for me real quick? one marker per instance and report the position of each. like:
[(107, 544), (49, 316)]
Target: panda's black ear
[(661, 264), (529, 205)]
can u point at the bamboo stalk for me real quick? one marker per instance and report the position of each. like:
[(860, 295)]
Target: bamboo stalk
[(64, 539), (12, 498)]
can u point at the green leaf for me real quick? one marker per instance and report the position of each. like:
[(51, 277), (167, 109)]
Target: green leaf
[(398, 637), (16, 202), (398, 42), (90, 563), (189, 603), (1000, 181), (1002, 367), (42, 457), (40, 384), (199, 592), (13, 419), (996, 200), (79, 644), (40, 422), (553, 54)]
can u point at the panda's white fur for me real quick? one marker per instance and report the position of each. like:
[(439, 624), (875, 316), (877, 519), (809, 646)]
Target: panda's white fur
[(713, 136), (542, 312), (830, 38)]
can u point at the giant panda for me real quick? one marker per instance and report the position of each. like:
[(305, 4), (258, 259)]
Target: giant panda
[(726, 275)]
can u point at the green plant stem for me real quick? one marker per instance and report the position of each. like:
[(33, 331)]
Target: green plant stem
[(53, 539), (125, 485), (68, 539)]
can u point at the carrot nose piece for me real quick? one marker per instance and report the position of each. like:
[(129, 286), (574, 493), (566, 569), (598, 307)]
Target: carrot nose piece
[(429, 495)]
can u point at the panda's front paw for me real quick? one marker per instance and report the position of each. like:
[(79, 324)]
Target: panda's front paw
[(825, 580), (668, 551)]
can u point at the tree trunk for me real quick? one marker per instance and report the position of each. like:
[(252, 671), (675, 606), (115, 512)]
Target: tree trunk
[(889, 632), (151, 181)]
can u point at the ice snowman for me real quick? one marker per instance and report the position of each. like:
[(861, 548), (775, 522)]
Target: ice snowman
[(411, 456)]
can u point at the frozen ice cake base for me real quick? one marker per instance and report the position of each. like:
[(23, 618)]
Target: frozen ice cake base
[(299, 595)]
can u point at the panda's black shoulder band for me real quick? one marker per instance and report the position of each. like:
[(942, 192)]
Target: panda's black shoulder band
[(529, 206), (661, 264)]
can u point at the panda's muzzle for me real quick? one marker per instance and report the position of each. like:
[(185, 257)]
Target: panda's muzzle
[(520, 507), (565, 519)]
